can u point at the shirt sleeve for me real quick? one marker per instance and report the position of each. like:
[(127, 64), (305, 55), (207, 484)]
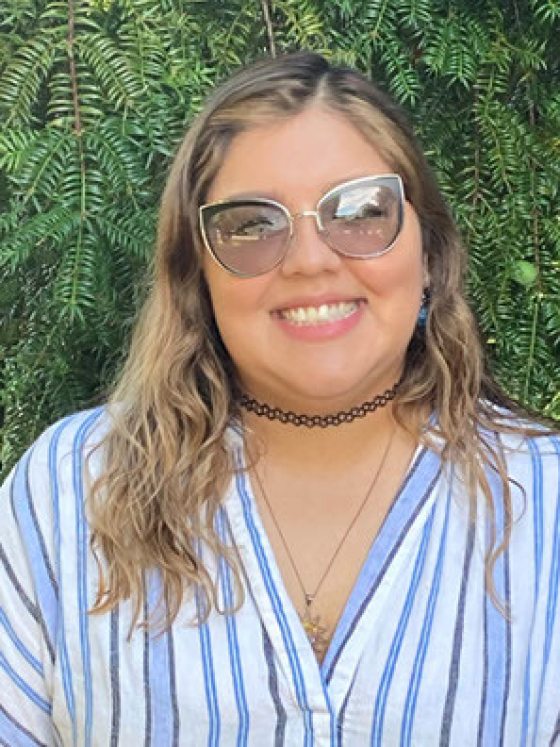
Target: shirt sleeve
[(28, 602)]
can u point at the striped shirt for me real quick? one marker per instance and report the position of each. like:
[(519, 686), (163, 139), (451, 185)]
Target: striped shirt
[(421, 656)]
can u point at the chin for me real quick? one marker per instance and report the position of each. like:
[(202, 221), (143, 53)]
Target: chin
[(323, 399)]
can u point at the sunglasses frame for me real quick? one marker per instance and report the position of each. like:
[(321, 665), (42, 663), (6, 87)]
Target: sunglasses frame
[(210, 208)]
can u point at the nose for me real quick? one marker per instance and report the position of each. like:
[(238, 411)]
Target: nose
[(309, 253)]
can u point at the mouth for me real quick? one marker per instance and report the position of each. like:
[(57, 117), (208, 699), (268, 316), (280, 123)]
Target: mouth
[(325, 313)]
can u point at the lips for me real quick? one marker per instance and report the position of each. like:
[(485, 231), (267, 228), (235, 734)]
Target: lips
[(320, 318)]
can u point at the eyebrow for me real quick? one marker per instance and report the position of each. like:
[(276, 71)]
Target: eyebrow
[(269, 196), (250, 196)]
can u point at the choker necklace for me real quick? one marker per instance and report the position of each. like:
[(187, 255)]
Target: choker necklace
[(315, 630), (262, 410)]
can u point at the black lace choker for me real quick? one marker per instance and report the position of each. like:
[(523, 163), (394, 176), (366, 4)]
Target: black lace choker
[(262, 410)]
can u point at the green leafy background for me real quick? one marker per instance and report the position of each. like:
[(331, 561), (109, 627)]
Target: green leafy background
[(95, 96)]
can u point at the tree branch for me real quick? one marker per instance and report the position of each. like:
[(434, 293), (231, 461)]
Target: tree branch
[(269, 30), (72, 68)]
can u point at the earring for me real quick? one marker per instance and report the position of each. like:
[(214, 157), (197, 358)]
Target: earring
[(423, 311)]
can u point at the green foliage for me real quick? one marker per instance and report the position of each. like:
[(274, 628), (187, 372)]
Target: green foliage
[(96, 94)]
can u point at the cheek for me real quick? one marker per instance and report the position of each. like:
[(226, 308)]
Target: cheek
[(402, 270), (231, 322), (397, 274), (235, 301)]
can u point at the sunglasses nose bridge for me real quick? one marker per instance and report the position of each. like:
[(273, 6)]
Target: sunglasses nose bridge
[(311, 213)]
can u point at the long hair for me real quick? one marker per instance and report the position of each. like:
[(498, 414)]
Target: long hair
[(166, 461)]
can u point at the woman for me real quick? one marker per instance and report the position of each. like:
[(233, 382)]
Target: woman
[(308, 516)]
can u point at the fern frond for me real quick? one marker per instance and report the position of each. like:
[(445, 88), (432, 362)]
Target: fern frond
[(546, 10), (132, 235), (51, 227), (455, 48), (397, 62), (46, 162), (21, 80), (14, 145), (117, 80), (418, 14), (76, 281)]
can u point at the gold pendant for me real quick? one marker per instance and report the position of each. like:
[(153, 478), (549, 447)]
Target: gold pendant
[(316, 633)]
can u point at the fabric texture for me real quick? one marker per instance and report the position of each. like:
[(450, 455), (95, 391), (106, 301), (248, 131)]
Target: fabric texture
[(421, 656)]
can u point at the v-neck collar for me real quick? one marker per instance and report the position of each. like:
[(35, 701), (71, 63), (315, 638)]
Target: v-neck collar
[(275, 607), (316, 685), (410, 502)]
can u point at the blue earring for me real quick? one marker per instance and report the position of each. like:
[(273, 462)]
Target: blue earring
[(423, 312)]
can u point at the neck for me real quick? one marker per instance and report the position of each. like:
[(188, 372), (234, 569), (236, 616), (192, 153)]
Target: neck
[(319, 449)]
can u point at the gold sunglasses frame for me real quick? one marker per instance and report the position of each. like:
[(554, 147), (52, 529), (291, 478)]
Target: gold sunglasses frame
[(210, 207)]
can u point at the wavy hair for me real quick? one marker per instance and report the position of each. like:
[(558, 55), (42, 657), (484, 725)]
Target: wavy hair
[(166, 461)]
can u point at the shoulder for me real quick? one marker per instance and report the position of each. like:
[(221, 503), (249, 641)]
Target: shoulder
[(42, 500), (521, 440), (532, 464), (533, 469), (531, 452), (74, 435), (59, 452)]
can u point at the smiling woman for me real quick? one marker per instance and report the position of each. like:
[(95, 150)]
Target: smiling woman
[(322, 331), (308, 516)]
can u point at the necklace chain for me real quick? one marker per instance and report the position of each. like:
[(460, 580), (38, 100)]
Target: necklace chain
[(261, 409), (315, 630)]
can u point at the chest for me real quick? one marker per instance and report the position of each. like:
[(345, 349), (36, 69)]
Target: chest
[(419, 654), (320, 536), (319, 561), (419, 657)]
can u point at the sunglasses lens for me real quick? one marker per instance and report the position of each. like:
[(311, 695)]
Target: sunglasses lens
[(363, 219), (249, 237)]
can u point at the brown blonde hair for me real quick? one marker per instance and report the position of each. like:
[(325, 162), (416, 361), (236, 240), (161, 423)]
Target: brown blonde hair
[(166, 464)]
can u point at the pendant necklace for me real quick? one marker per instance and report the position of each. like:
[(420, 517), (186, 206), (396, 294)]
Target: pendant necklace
[(315, 629)]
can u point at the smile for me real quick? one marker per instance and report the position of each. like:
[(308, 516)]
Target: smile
[(323, 314)]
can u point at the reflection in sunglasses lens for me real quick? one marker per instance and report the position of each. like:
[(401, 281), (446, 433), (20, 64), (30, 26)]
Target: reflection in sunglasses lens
[(248, 238), (362, 220)]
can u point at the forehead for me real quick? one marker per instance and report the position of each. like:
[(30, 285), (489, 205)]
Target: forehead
[(296, 158)]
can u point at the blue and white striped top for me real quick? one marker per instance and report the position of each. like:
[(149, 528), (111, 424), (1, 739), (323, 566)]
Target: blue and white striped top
[(420, 656)]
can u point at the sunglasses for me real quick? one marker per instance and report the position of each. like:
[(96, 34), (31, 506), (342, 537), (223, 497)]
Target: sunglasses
[(360, 219)]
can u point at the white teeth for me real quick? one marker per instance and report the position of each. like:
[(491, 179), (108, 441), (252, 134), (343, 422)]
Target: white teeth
[(323, 313), (319, 314)]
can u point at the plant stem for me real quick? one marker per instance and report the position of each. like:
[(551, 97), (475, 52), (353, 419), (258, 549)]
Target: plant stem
[(269, 30)]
